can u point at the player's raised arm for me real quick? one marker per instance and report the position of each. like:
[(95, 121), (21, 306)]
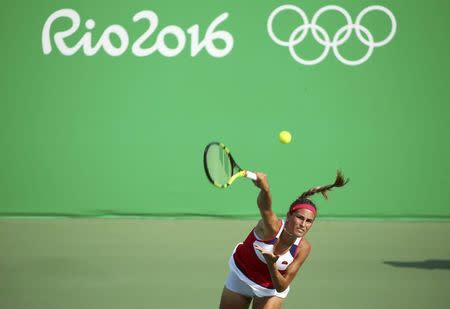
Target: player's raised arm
[(269, 224)]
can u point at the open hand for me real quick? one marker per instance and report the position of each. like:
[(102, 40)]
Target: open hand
[(269, 256)]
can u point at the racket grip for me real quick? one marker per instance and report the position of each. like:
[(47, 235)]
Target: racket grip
[(251, 175)]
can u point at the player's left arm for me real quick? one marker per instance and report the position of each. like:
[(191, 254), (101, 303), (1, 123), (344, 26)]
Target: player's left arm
[(281, 282)]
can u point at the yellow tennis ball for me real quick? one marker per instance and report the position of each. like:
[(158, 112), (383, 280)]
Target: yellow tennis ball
[(285, 137)]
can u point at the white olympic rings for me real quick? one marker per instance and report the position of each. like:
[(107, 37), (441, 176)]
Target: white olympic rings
[(339, 38)]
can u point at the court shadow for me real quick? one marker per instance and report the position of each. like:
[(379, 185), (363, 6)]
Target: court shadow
[(426, 264)]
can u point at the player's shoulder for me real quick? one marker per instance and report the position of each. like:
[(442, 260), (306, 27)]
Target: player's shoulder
[(265, 231), (305, 245)]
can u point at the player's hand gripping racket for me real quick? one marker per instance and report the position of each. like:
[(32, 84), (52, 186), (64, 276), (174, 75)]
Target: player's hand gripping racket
[(220, 167)]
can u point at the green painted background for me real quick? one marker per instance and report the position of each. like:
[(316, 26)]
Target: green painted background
[(124, 135)]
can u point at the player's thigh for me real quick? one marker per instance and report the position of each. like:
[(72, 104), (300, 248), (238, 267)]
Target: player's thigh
[(232, 300), (272, 302)]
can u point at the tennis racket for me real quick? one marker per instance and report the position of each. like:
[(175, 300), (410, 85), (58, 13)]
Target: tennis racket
[(220, 167)]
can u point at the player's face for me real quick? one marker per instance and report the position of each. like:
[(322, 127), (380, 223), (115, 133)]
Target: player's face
[(300, 222)]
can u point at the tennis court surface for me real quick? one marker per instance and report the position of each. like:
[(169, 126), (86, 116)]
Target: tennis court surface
[(182, 263)]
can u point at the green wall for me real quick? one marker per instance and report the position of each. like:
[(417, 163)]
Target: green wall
[(124, 135)]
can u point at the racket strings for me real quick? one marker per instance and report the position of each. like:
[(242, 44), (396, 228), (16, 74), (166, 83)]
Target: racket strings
[(219, 166)]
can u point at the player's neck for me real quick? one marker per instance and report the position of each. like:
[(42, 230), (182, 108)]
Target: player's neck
[(284, 242), (287, 237)]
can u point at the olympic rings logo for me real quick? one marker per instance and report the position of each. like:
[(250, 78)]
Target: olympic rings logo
[(339, 38)]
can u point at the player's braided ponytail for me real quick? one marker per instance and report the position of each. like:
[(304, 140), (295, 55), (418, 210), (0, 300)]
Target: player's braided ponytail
[(339, 182)]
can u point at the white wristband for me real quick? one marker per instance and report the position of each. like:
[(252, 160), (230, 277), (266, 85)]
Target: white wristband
[(251, 175)]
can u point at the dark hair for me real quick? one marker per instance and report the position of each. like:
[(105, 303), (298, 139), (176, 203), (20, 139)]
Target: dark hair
[(339, 182), (303, 198)]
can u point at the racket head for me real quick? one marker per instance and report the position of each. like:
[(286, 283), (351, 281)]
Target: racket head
[(220, 167)]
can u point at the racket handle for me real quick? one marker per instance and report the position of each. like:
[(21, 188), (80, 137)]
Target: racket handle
[(251, 175)]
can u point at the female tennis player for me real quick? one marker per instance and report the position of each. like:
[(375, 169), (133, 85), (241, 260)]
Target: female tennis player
[(264, 265)]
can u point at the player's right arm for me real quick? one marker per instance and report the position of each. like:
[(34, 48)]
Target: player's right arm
[(268, 225)]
